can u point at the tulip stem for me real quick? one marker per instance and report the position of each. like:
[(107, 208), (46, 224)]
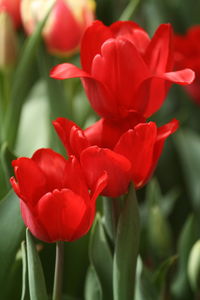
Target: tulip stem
[(112, 209), (58, 275)]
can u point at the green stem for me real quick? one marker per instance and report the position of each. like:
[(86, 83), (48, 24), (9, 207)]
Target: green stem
[(112, 209), (58, 275), (129, 10)]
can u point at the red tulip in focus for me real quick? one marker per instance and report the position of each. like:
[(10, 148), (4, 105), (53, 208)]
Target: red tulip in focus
[(123, 70), (188, 54), (65, 26), (141, 145), (12, 7), (55, 201)]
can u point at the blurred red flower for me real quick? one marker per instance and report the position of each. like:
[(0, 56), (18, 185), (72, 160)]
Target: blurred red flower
[(103, 145), (65, 25), (12, 7), (125, 71), (54, 197), (187, 49)]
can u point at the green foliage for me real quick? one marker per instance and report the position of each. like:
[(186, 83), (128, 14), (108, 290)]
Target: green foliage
[(11, 234), (126, 248), (101, 258), (37, 286)]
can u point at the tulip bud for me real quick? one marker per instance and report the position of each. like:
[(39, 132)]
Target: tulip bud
[(12, 7), (159, 233), (65, 26), (8, 42), (194, 266)]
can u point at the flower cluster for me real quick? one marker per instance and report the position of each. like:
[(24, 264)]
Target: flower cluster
[(126, 76)]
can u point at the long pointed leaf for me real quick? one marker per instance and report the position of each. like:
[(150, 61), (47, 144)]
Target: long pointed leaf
[(12, 231), (126, 249), (92, 286), (24, 78), (37, 286), (24, 271), (101, 258)]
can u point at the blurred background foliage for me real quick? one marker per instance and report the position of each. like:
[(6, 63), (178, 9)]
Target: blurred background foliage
[(169, 205)]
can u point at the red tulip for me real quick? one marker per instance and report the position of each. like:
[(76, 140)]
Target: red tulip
[(95, 159), (187, 49), (12, 7), (123, 70), (104, 146), (65, 26), (54, 197)]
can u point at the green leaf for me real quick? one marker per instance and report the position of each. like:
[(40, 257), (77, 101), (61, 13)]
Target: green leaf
[(24, 272), (154, 196), (190, 233), (145, 288), (6, 169), (6, 160), (25, 77), (126, 249), (92, 286), (159, 233), (34, 122), (37, 286), (11, 234), (194, 266), (161, 273), (108, 218), (101, 258), (189, 156), (55, 88), (129, 10)]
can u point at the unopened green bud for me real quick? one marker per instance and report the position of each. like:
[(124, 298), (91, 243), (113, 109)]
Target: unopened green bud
[(159, 232), (194, 267), (8, 42)]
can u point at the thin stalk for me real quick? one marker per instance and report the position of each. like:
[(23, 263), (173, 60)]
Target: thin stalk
[(58, 275), (129, 10), (112, 209)]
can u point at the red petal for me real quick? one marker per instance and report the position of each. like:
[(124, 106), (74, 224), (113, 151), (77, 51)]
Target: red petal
[(182, 77), (30, 179), (63, 128), (138, 145), (90, 212), (121, 68), (105, 133), (31, 221), (61, 22), (74, 178), (150, 95), (71, 135), (95, 35), (101, 98), (65, 70), (61, 212), (52, 165), (132, 32), (96, 161), (163, 132), (167, 129), (159, 54)]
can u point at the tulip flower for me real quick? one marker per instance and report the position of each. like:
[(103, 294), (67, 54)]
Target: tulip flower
[(141, 145), (123, 70), (54, 197), (187, 49), (12, 7), (65, 25)]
